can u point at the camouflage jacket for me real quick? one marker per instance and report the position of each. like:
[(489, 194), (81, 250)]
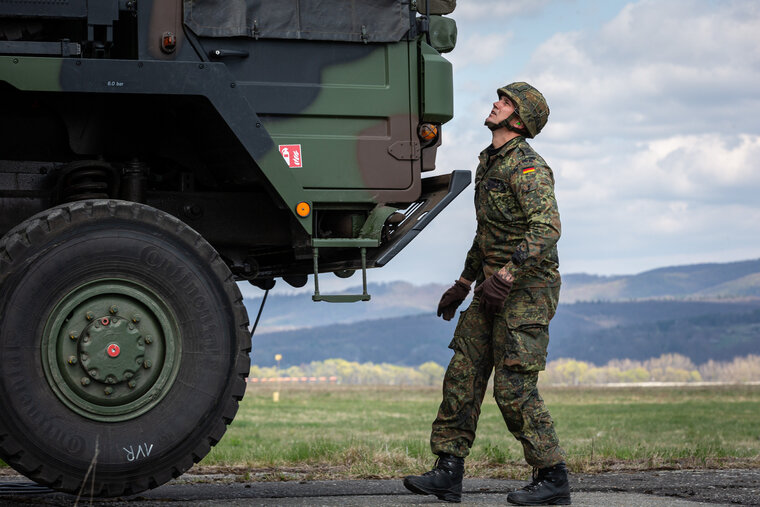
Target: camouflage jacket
[(518, 220)]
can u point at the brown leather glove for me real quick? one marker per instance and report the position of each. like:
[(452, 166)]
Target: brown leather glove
[(451, 299), (493, 292)]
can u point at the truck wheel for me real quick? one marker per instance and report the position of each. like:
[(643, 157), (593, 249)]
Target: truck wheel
[(124, 347)]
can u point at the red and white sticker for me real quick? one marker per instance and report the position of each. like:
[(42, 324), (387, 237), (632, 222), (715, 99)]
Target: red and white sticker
[(292, 155)]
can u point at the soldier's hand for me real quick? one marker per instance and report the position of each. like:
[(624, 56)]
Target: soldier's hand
[(493, 292), (452, 298)]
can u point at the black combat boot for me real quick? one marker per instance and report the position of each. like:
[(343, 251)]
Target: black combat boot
[(549, 487), (443, 481)]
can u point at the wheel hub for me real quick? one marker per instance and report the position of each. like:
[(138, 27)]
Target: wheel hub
[(111, 349)]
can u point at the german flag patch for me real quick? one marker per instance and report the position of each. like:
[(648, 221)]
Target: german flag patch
[(529, 170)]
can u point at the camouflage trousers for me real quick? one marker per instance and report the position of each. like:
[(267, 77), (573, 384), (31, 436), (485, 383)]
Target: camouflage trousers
[(513, 344)]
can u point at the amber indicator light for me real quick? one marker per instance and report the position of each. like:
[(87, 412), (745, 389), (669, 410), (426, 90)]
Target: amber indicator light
[(303, 209)]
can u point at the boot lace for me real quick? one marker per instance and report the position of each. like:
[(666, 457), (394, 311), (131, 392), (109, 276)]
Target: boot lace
[(436, 469), (537, 480)]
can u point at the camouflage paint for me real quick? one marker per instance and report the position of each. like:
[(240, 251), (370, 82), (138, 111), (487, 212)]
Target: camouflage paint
[(361, 106), (30, 73)]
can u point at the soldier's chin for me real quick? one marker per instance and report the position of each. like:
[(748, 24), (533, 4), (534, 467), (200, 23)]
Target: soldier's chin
[(491, 125)]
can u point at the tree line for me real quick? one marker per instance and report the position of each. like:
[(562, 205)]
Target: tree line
[(665, 368)]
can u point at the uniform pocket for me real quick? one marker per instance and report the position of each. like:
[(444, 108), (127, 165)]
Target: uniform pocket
[(500, 202), (526, 325)]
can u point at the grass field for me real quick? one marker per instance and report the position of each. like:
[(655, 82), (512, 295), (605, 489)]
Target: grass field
[(341, 431)]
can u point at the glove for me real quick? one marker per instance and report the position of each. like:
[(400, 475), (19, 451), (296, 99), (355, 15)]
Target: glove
[(452, 298), (493, 292)]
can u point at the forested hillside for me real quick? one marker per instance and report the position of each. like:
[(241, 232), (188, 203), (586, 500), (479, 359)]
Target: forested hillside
[(595, 332), (705, 311)]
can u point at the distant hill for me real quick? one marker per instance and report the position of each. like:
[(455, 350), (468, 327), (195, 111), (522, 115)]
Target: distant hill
[(733, 279), (595, 332), (397, 299), (703, 311), (284, 312)]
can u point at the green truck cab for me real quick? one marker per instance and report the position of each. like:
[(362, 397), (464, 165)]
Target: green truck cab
[(155, 153)]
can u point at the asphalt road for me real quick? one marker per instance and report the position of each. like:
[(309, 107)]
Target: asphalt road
[(644, 489)]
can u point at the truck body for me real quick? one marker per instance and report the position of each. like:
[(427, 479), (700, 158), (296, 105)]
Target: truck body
[(154, 153)]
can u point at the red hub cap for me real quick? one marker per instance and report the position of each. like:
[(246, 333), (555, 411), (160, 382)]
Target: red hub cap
[(113, 350)]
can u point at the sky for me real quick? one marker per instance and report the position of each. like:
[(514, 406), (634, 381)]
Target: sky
[(653, 136)]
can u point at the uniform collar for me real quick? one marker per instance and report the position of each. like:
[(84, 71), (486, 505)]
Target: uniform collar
[(508, 146)]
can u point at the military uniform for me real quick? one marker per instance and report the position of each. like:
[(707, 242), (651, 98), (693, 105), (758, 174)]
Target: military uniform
[(518, 228)]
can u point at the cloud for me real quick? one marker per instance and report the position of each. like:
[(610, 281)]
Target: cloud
[(480, 10), (681, 66), (653, 134), (480, 49)]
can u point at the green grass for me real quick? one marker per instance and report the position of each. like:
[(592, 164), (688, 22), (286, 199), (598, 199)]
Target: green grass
[(353, 431)]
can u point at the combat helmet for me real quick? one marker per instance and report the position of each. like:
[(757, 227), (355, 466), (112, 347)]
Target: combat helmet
[(530, 106)]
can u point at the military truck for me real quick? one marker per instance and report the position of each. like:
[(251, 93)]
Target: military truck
[(153, 154)]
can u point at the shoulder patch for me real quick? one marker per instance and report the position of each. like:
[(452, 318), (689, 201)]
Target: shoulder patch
[(529, 170)]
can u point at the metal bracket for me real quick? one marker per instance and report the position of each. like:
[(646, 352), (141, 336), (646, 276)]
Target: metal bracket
[(362, 244), (405, 150)]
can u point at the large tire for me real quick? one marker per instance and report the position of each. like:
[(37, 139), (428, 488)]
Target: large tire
[(124, 347)]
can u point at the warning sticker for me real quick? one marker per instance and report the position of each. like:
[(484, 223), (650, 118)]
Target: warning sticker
[(292, 154)]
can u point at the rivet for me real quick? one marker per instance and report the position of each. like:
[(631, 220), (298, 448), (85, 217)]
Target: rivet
[(84, 356), (147, 364), (93, 373), (128, 375), (108, 390), (86, 339), (131, 326), (114, 309), (72, 360), (85, 381)]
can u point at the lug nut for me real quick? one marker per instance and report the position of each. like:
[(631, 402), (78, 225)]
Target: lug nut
[(93, 373), (131, 327), (73, 335), (147, 364), (148, 340), (108, 390), (136, 318), (85, 381), (128, 375), (72, 359), (132, 384), (114, 309), (89, 315), (85, 356)]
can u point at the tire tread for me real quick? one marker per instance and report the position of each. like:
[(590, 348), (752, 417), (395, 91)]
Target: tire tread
[(34, 230)]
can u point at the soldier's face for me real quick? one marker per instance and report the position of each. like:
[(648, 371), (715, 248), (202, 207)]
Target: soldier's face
[(501, 110)]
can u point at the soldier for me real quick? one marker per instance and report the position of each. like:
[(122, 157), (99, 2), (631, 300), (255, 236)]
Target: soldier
[(514, 262)]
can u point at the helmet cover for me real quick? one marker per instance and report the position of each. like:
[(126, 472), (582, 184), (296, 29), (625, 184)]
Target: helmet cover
[(530, 106)]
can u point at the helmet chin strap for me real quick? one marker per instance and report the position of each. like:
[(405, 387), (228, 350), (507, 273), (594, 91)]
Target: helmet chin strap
[(507, 124)]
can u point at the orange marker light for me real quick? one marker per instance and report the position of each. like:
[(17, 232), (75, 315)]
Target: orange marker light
[(428, 131), (303, 209)]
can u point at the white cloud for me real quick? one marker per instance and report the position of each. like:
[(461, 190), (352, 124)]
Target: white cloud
[(479, 49), (480, 10), (682, 66)]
